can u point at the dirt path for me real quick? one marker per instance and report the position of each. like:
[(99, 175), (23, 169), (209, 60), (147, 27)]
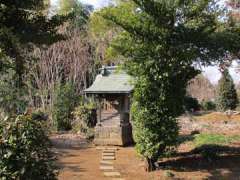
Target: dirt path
[(83, 163), (78, 159), (79, 164)]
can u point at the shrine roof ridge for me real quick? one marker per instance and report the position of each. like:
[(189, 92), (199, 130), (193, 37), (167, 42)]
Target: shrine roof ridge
[(111, 81)]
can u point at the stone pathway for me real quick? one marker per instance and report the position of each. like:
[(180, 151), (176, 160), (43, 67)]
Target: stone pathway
[(107, 163)]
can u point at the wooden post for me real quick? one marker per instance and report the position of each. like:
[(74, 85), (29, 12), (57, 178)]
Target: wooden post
[(121, 109), (99, 109)]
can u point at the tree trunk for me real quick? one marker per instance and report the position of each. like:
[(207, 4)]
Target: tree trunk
[(19, 68), (149, 165)]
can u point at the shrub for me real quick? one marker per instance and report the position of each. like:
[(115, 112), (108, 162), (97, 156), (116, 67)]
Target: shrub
[(13, 100), (90, 134), (208, 105), (24, 151), (191, 104), (39, 116), (227, 95), (84, 117), (64, 104)]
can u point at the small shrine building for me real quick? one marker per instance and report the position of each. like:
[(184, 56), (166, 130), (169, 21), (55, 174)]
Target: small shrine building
[(112, 89)]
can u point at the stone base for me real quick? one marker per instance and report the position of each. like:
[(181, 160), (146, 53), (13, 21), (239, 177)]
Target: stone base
[(116, 135)]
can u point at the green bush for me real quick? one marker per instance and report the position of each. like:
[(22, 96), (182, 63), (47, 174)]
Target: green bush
[(24, 151), (13, 100), (208, 105), (84, 117), (191, 104), (39, 116), (64, 103)]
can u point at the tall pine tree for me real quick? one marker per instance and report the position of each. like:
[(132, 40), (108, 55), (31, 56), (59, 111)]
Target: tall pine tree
[(227, 94)]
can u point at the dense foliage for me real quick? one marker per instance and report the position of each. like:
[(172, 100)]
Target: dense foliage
[(85, 119), (191, 104), (208, 105), (64, 104), (12, 99), (227, 94), (24, 151), (160, 42), (84, 116), (23, 25)]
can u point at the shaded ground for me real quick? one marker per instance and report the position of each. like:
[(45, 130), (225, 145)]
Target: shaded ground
[(78, 159)]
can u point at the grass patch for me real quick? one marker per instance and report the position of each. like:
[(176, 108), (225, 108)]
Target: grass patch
[(216, 139)]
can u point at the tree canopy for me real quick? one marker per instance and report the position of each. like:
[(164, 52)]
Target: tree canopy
[(23, 23)]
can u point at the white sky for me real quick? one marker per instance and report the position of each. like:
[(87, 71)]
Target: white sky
[(212, 73), (96, 3)]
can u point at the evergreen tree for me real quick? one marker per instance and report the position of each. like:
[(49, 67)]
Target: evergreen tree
[(160, 40), (227, 94)]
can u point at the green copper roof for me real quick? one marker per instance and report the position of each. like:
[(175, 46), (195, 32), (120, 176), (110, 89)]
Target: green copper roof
[(111, 81)]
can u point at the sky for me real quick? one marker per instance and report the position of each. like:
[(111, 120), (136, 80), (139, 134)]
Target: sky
[(96, 3), (211, 72)]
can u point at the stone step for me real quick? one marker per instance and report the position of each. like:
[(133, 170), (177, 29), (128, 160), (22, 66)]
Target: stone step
[(112, 148), (106, 162), (112, 174), (108, 151), (104, 156), (106, 168), (108, 154), (106, 148), (100, 148), (108, 158)]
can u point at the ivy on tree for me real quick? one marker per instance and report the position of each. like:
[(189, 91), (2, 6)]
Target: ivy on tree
[(227, 94), (160, 40)]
